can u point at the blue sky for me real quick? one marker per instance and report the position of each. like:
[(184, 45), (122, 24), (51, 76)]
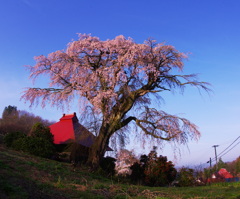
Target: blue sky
[(208, 29)]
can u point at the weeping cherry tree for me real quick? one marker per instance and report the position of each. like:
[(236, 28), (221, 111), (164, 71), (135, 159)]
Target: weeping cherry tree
[(117, 78)]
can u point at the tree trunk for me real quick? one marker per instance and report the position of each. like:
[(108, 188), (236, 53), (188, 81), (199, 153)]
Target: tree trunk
[(101, 142), (98, 149)]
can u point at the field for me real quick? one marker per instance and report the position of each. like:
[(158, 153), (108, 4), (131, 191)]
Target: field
[(25, 176)]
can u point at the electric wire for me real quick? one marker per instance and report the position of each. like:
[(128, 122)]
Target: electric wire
[(229, 149), (222, 153), (229, 146)]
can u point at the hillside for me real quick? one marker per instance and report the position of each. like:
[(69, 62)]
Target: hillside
[(25, 176)]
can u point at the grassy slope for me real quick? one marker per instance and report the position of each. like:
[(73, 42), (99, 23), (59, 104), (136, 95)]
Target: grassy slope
[(25, 176)]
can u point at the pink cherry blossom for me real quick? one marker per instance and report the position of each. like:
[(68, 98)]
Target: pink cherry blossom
[(115, 77)]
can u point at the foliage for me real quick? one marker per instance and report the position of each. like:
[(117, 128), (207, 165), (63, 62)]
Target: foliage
[(11, 137), (234, 167), (185, 177), (220, 164), (153, 170), (207, 172), (138, 168), (137, 175), (34, 145), (159, 171), (39, 143), (41, 131), (115, 78), (108, 165)]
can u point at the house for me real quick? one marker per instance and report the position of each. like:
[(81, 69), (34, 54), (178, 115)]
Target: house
[(224, 173), (69, 130), (223, 176)]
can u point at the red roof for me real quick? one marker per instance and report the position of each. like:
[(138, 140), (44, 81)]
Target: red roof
[(224, 173), (68, 129)]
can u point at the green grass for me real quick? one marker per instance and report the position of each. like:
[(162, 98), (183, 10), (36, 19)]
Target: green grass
[(25, 176)]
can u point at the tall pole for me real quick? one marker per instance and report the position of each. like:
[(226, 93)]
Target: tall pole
[(210, 161), (215, 146), (210, 171)]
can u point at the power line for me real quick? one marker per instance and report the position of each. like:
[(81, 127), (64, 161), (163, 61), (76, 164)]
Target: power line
[(230, 149), (229, 146), (222, 153)]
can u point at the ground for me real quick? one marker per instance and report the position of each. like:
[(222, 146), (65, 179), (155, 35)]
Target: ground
[(25, 176)]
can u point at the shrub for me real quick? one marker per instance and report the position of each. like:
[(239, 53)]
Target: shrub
[(185, 177), (21, 144), (108, 165), (159, 172), (9, 138), (1, 138), (153, 170), (35, 146), (39, 143), (41, 131), (137, 174)]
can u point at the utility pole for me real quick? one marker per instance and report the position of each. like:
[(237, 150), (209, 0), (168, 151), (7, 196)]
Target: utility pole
[(215, 146), (210, 161), (210, 171)]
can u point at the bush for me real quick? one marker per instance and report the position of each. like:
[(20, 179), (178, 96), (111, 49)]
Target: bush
[(35, 146), (21, 144), (159, 172), (137, 174), (185, 177), (40, 147), (108, 165), (39, 143), (1, 138), (153, 170), (9, 138), (41, 131)]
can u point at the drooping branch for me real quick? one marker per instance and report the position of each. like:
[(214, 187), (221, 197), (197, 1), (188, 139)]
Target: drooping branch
[(163, 126), (53, 95)]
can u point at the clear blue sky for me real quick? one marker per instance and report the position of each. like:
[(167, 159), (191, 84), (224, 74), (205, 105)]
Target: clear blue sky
[(209, 29)]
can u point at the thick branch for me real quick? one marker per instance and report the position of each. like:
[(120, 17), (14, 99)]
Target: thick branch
[(126, 122)]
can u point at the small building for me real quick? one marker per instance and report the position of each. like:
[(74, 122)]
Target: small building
[(223, 176), (69, 130), (224, 173)]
